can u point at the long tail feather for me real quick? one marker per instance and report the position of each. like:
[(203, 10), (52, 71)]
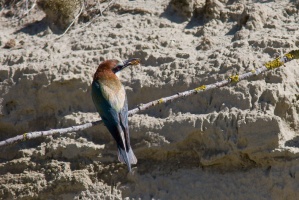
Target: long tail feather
[(123, 157), (126, 157), (132, 157)]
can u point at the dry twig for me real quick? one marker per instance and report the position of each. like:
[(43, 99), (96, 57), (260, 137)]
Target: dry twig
[(100, 14), (28, 10)]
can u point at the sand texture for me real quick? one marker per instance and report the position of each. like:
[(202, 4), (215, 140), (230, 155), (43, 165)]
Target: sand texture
[(236, 142)]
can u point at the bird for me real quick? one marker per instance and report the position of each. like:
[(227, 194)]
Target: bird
[(110, 99)]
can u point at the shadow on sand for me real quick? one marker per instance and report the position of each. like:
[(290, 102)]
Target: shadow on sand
[(173, 16)]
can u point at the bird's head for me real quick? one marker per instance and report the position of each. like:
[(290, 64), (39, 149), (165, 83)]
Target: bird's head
[(114, 66)]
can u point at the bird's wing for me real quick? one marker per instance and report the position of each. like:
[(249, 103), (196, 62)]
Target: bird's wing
[(109, 114), (116, 121), (123, 118)]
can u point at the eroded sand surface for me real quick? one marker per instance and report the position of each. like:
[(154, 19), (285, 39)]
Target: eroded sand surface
[(236, 142)]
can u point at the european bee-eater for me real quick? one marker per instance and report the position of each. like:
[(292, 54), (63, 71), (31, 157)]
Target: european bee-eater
[(110, 99)]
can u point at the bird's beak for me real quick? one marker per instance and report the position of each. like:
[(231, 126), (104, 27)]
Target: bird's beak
[(132, 61), (126, 63)]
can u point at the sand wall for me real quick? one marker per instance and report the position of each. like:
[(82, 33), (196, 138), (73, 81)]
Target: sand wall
[(236, 142)]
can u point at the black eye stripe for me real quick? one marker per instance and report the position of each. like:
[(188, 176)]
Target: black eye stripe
[(117, 68)]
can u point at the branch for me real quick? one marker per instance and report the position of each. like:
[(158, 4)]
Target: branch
[(26, 13), (100, 14), (278, 62)]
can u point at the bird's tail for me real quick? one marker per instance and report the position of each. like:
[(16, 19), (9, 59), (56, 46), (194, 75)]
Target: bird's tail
[(126, 157)]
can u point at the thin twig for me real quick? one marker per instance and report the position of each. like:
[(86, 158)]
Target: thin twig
[(26, 13), (26, 4), (278, 62), (100, 14), (72, 22), (109, 4)]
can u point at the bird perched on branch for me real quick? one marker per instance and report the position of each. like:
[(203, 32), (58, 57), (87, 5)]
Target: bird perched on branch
[(110, 100)]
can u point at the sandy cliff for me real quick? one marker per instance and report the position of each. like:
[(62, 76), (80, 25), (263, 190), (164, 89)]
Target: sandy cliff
[(236, 142)]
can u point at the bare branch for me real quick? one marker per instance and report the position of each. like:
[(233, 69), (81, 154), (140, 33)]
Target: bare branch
[(100, 14), (109, 4), (278, 62), (26, 13)]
